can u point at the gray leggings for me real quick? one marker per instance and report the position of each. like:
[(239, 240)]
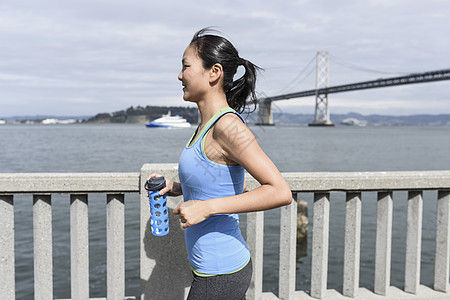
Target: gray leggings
[(228, 286)]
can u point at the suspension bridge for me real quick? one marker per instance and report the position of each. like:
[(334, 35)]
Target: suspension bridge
[(322, 112)]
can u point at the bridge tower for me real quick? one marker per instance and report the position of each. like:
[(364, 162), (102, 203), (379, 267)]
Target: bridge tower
[(322, 114)]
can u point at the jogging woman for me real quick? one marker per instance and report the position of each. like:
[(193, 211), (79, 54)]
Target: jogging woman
[(212, 167)]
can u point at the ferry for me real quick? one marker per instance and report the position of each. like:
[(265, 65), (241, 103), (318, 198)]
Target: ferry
[(354, 122), (169, 121)]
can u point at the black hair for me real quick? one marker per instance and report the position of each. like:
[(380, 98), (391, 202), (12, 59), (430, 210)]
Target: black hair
[(212, 49)]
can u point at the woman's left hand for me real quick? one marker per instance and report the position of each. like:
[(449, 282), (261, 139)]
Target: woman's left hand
[(192, 212)]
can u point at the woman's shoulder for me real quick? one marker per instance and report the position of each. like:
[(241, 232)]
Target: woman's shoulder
[(228, 123), (230, 130)]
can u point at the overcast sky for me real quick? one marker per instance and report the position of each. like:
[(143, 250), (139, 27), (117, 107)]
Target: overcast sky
[(84, 57)]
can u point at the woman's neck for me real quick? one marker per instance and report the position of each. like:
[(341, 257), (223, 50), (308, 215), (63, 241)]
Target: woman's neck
[(210, 107)]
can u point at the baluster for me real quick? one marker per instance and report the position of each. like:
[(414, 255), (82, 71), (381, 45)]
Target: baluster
[(352, 244), (7, 268), (321, 226), (79, 246), (441, 269), (288, 246), (413, 241), (43, 254), (383, 243), (255, 243), (115, 238)]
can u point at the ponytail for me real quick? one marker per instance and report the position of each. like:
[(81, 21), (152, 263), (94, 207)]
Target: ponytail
[(214, 49), (243, 88)]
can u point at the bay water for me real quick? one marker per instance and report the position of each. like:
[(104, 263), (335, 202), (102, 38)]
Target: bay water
[(125, 148)]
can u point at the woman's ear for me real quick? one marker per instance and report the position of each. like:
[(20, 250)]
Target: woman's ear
[(216, 72)]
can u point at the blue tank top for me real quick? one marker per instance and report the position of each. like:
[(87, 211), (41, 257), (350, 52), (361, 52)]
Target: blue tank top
[(214, 246)]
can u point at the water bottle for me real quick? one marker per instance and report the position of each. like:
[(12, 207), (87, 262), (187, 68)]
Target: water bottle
[(159, 215)]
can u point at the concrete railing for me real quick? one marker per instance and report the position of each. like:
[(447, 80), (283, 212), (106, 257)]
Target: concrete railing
[(164, 270), (42, 186)]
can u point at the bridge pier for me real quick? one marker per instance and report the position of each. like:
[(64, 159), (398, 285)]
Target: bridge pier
[(265, 116), (322, 114)]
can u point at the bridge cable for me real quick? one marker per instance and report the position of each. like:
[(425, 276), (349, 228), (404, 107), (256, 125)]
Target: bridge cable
[(360, 68), (294, 81)]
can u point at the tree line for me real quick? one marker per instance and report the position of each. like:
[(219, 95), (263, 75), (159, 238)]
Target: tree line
[(141, 114)]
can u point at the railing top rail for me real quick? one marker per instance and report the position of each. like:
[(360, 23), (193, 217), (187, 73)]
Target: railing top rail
[(27, 183), (364, 181)]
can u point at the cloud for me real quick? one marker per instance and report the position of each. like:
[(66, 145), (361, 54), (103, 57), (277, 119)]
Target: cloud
[(114, 54)]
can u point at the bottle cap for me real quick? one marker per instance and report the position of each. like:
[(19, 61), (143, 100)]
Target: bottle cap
[(155, 184)]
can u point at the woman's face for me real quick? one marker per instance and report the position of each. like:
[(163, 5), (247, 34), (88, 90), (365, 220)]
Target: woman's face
[(194, 78)]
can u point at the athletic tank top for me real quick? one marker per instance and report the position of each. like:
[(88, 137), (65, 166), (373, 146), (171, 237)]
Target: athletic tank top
[(214, 246)]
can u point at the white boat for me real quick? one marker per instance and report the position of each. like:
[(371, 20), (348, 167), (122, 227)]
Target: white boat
[(2, 122), (56, 121), (169, 121), (354, 122)]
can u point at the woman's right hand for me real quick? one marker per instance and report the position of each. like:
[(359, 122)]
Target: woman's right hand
[(172, 188)]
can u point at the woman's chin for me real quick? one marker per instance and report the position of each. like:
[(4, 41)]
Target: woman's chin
[(186, 98)]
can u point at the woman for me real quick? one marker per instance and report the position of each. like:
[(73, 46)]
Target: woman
[(212, 167)]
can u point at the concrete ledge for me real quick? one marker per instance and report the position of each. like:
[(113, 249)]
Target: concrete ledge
[(27, 183), (367, 181)]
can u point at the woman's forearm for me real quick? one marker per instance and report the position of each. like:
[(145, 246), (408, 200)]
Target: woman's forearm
[(262, 198)]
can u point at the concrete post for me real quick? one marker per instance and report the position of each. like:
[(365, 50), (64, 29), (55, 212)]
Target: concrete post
[(288, 246), (7, 262), (319, 261), (255, 243), (165, 271), (115, 250), (79, 246), (352, 244), (441, 268), (413, 241), (43, 258), (383, 243)]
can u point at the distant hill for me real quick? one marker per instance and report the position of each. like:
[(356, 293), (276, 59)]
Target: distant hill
[(412, 120), (142, 115), (418, 120), (372, 120)]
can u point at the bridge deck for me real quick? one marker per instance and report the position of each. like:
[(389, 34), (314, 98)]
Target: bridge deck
[(382, 82)]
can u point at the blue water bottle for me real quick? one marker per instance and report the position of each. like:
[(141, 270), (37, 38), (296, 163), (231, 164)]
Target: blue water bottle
[(159, 215)]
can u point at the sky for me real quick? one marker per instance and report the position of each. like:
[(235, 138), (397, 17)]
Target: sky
[(85, 57)]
